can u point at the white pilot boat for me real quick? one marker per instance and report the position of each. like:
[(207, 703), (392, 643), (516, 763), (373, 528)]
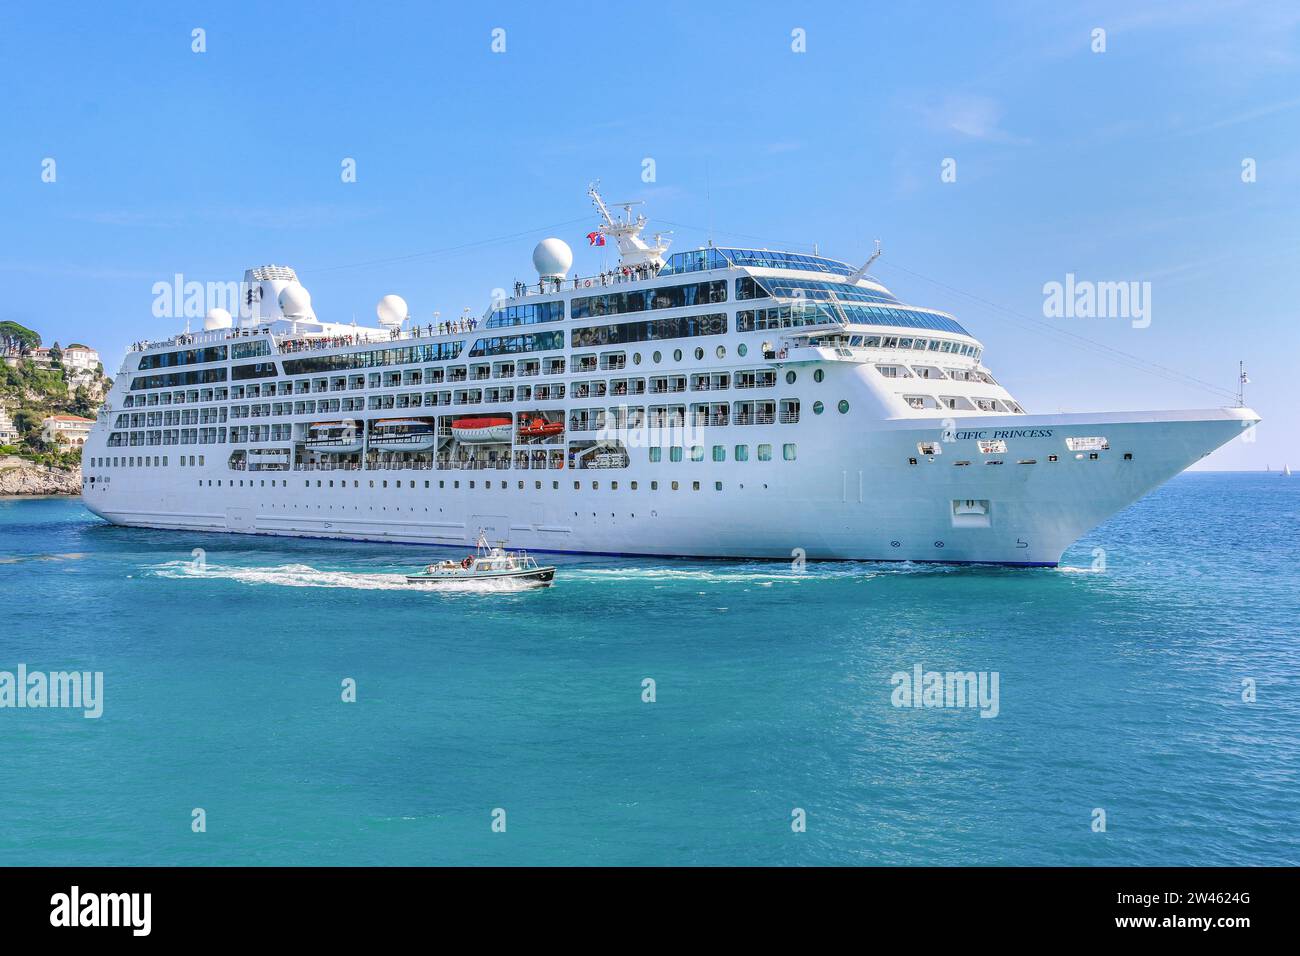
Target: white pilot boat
[(488, 564)]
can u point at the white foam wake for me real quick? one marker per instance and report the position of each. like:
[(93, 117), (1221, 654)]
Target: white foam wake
[(305, 576)]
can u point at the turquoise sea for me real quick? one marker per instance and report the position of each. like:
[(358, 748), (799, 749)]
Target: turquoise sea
[(1119, 688)]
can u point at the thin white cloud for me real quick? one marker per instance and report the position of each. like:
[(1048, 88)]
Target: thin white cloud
[(1245, 116), (973, 116)]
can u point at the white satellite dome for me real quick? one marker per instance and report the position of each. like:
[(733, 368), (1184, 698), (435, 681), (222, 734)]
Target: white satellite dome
[(295, 301), (217, 319), (392, 310), (552, 257)]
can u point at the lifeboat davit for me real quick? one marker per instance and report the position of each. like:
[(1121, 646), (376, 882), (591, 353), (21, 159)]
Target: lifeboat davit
[(487, 429), (540, 428)]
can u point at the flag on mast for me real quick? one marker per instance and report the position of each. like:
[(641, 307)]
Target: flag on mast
[(595, 238)]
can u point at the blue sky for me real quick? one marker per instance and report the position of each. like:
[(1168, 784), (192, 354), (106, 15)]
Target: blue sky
[(1117, 166)]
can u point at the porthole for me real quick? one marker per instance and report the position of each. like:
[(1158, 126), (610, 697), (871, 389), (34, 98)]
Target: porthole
[(741, 349), (636, 358), (819, 375), (677, 355), (721, 351), (699, 354), (844, 406), (790, 377), (657, 357), (818, 408)]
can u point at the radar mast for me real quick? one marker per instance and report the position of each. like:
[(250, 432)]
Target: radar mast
[(632, 249)]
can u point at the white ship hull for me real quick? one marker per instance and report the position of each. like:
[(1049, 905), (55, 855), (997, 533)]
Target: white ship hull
[(723, 403), (861, 501)]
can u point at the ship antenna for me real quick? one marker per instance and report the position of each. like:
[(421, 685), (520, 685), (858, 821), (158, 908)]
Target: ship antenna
[(853, 279), (708, 197), (1242, 381)]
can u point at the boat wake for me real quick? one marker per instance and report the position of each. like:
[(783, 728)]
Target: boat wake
[(305, 576), (765, 574)]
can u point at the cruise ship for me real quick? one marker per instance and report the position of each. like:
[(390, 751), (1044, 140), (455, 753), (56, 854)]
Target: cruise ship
[(718, 402)]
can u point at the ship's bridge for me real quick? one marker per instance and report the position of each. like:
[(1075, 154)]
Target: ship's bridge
[(809, 291)]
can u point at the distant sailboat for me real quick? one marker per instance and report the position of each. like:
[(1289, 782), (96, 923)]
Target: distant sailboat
[(1286, 471)]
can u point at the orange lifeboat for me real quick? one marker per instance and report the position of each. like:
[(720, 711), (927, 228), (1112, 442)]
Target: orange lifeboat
[(480, 430), (540, 428)]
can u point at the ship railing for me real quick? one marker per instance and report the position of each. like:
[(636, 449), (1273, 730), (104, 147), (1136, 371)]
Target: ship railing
[(702, 419), (382, 465), (198, 338), (401, 439), (326, 466), (592, 283), (502, 464)]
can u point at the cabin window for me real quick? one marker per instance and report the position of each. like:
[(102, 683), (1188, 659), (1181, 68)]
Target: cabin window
[(789, 451), (790, 377), (697, 453), (819, 375), (764, 452), (742, 453), (656, 454), (675, 453), (843, 406), (719, 453), (818, 408)]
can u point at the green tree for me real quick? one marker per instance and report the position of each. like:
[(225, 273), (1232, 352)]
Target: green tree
[(81, 403), (19, 338)]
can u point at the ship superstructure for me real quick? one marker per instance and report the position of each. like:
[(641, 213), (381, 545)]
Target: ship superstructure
[(719, 401)]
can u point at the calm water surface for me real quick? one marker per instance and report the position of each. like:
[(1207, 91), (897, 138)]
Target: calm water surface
[(1119, 689)]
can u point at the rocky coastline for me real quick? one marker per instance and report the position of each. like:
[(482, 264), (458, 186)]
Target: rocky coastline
[(18, 476)]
